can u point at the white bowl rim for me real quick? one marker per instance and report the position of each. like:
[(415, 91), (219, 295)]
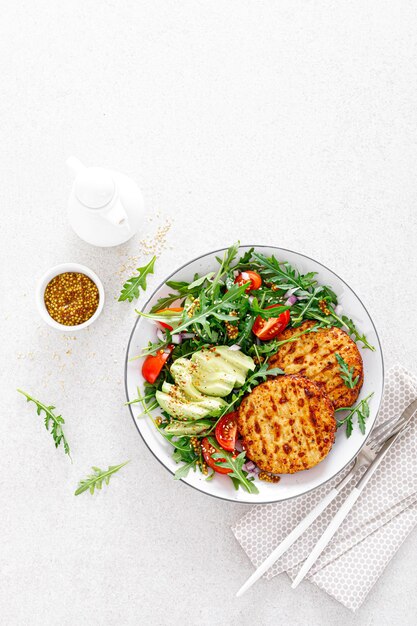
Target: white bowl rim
[(255, 246), (60, 269)]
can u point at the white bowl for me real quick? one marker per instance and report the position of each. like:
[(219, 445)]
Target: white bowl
[(60, 269), (344, 450)]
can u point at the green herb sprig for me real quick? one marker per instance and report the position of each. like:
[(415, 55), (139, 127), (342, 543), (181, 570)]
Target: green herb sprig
[(361, 410), (53, 423), (95, 481), (131, 288), (347, 373), (238, 475), (218, 309)]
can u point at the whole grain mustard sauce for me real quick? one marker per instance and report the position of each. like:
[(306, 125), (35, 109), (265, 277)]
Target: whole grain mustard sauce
[(71, 298)]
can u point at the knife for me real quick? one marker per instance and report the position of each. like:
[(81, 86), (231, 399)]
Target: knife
[(353, 496)]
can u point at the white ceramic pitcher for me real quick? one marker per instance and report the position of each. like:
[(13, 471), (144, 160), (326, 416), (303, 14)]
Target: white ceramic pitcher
[(105, 208)]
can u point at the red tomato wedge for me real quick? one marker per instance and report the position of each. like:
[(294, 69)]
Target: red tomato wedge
[(154, 363), (226, 431), (174, 309), (252, 278), (207, 450), (270, 328)]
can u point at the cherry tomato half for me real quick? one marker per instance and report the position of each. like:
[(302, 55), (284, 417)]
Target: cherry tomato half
[(226, 431), (270, 328), (207, 450), (153, 364), (252, 278), (174, 309)]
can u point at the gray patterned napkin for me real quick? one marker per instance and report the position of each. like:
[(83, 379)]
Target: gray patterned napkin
[(382, 518)]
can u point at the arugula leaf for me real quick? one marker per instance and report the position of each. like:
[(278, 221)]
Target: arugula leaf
[(225, 266), (347, 372), (217, 309), (244, 259), (131, 288), (238, 475), (284, 275), (182, 471), (349, 324), (50, 420), (267, 313), (199, 281), (95, 481), (361, 410)]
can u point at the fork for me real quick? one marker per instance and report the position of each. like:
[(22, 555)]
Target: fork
[(365, 457)]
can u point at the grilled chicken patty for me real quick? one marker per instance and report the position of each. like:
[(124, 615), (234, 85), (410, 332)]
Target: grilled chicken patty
[(314, 355), (287, 424)]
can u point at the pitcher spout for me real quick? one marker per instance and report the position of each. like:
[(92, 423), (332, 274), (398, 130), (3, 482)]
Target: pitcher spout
[(117, 216)]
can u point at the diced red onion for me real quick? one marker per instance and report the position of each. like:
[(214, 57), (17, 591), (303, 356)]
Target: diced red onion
[(177, 339), (239, 445), (235, 347), (160, 334), (249, 466), (338, 309), (245, 276), (250, 299), (256, 470), (291, 300), (187, 335), (290, 292)]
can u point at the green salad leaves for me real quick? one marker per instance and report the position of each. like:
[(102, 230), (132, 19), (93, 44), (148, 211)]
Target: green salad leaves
[(225, 308), (133, 285), (53, 423)]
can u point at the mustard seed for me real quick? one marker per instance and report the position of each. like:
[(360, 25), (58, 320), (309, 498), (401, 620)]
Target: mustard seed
[(71, 298)]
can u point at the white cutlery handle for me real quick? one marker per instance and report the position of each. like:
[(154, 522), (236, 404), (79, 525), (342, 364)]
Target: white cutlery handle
[(327, 535), (289, 540)]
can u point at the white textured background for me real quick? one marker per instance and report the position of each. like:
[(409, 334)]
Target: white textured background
[(283, 122)]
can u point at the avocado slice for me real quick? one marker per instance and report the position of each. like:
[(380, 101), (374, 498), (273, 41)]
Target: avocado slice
[(187, 428), (181, 371), (240, 362), (202, 382), (183, 410), (217, 372)]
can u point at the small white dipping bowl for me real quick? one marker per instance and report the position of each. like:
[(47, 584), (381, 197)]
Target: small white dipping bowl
[(61, 269)]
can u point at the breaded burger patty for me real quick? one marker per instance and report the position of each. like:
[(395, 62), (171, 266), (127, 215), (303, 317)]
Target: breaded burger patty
[(314, 355), (287, 424)]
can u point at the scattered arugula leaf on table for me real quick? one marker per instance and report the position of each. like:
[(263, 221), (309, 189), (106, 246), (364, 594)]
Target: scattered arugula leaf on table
[(95, 481), (132, 286), (53, 422)]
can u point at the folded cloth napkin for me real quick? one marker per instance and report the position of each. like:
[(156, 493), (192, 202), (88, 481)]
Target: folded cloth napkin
[(380, 521)]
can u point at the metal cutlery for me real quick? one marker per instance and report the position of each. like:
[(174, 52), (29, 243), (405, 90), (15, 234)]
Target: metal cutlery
[(379, 442), (354, 495)]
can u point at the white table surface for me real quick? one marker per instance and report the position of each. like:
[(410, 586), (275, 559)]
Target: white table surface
[(281, 122)]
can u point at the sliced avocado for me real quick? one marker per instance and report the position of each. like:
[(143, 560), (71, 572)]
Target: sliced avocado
[(202, 381), (180, 409), (177, 407), (173, 390), (187, 428), (239, 361), (181, 370), (212, 375), (212, 404)]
